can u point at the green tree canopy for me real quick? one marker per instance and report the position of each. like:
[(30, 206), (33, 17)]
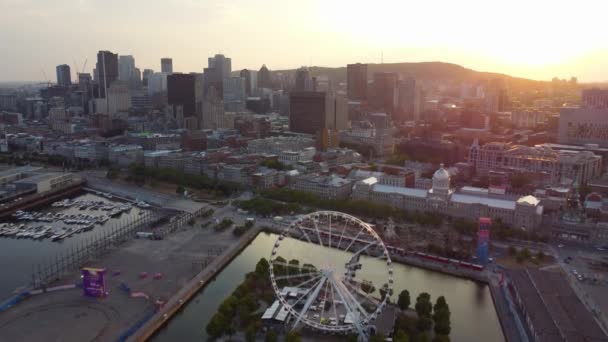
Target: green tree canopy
[(404, 300), (262, 267), (271, 336), (424, 307), (401, 336)]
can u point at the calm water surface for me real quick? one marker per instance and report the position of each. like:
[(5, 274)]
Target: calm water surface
[(18, 255), (473, 315)]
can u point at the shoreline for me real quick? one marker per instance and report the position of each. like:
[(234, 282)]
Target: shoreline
[(200, 281)]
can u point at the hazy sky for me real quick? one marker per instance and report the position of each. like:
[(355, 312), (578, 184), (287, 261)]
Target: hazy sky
[(530, 38)]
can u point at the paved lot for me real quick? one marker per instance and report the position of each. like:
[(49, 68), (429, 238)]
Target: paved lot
[(592, 293), (139, 193), (68, 316)]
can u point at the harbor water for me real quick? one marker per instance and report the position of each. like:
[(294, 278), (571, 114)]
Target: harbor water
[(473, 315), (18, 256)]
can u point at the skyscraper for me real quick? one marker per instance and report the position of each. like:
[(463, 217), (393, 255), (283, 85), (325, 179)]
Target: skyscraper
[(107, 70), (166, 65), (246, 75), (234, 94), (385, 91), (409, 100), (145, 75), (213, 110), (219, 68), (303, 80), (181, 92), (264, 80), (356, 81), (64, 77), (311, 112), (126, 68), (222, 63)]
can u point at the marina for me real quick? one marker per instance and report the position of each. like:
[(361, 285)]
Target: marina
[(34, 236), (67, 224)]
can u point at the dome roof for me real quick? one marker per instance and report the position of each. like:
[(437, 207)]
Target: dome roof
[(441, 174)]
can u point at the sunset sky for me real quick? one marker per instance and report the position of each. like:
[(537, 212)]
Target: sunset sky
[(537, 39)]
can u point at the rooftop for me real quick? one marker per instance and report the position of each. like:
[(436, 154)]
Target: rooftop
[(18, 170), (490, 202), (554, 309), (529, 200), (412, 192), (42, 177)]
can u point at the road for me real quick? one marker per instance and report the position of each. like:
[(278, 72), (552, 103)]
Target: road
[(94, 180)]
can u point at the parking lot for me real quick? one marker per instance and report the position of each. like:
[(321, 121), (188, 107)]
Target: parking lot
[(587, 270)]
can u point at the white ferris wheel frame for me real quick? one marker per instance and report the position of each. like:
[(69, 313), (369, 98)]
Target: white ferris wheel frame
[(341, 290)]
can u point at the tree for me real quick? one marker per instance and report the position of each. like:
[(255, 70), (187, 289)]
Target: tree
[(250, 333), (442, 321), (262, 267), (512, 251), (293, 336), (441, 317), (540, 256), (422, 337), (525, 253), (404, 300), (228, 306), (271, 336), (401, 336), (352, 338), (424, 323), (423, 305), (279, 265), (441, 338), (294, 266), (440, 303), (367, 287), (383, 291), (407, 324), (217, 325), (377, 338)]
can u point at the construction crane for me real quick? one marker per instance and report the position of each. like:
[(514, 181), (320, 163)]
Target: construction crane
[(46, 78), (78, 70)]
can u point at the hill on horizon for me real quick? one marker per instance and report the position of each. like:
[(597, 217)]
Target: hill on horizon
[(425, 71)]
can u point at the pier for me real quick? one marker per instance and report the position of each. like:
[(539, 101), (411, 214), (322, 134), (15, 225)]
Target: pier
[(43, 198)]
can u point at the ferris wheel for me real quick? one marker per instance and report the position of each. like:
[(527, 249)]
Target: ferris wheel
[(325, 287)]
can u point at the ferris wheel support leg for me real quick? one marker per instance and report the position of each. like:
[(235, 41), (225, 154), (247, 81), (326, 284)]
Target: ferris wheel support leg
[(309, 300), (350, 310)]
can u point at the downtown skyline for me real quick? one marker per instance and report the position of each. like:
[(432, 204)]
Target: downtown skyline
[(538, 41)]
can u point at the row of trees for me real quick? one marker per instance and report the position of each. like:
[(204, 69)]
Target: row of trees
[(273, 164), (237, 312), (266, 207), (355, 207), (240, 230), (223, 225), (429, 316), (139, 174), (524, 254), (498, 229)]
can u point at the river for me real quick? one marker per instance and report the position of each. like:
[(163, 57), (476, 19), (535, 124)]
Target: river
[(473, 315), (17, 256)]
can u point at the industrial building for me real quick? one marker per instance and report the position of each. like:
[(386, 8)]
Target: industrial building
[(551, 309)]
